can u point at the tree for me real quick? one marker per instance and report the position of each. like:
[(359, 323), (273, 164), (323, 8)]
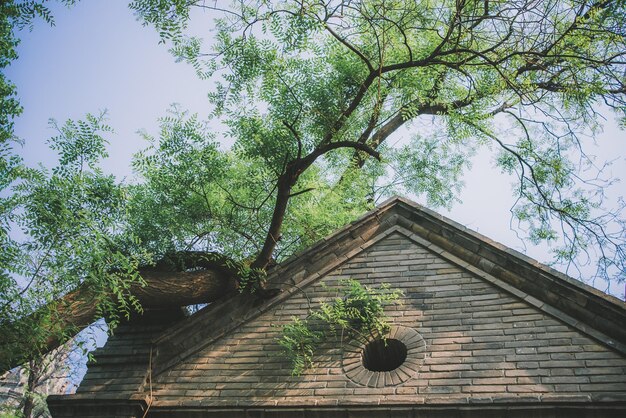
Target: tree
[(56, 372), (312, 93)]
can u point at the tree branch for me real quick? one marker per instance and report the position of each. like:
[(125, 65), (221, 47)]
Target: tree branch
[(179, 279)]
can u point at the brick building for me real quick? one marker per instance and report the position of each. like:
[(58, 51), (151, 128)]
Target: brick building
[(486, 331)]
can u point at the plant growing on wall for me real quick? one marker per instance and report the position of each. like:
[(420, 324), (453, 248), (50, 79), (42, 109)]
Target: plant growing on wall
[(299, 342), (358, 311)]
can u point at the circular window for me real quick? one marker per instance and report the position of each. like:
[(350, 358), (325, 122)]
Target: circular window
[(384, 360), (384, 355)]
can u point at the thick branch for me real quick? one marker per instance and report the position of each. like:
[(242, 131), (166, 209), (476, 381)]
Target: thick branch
[(168, 285), (285, 183)]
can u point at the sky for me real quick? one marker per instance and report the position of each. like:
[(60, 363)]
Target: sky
[(98, 56)]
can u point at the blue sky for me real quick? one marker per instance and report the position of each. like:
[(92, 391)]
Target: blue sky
[(99, 57)]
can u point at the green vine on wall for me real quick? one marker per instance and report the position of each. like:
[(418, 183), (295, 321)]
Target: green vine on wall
[(359, 311), (299, 342)]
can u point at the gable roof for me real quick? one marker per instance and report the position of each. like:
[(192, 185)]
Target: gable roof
[(583, 308), (589, 310)]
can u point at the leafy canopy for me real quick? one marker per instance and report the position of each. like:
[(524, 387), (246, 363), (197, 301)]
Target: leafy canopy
[(68, 227), (321, 87)]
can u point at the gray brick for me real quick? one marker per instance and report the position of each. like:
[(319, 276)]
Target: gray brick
[(484, 389), (530, 388), (527, 372), (561, 363), (494, 381), (472, 374), (604, 387), (565, 379)]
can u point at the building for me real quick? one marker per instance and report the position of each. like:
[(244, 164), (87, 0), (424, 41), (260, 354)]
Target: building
[(487, 332)]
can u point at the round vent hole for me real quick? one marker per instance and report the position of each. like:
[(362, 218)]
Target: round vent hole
[(384, 355)]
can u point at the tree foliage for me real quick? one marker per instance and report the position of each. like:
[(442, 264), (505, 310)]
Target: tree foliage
[(331, 81), (68, 228), (315, 99), (57, 372)]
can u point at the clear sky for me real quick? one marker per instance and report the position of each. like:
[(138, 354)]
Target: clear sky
[(99, 57)]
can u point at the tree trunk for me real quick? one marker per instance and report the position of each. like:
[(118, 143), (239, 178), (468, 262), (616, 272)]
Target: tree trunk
[(285, 183), (164, 288), (29, 392)]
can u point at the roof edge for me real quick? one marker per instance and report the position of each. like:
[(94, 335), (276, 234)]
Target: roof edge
[(586, 304), (533, 262), (520, 409)]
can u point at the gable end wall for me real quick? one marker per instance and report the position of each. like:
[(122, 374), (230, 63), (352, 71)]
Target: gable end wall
[(482, 345)]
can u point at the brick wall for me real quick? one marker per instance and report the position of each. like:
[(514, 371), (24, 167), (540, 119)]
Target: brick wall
[(482, 345), (121, 366)]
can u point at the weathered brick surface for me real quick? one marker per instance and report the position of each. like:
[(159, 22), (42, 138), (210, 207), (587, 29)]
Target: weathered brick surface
[(120, 367), (483, 345)]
